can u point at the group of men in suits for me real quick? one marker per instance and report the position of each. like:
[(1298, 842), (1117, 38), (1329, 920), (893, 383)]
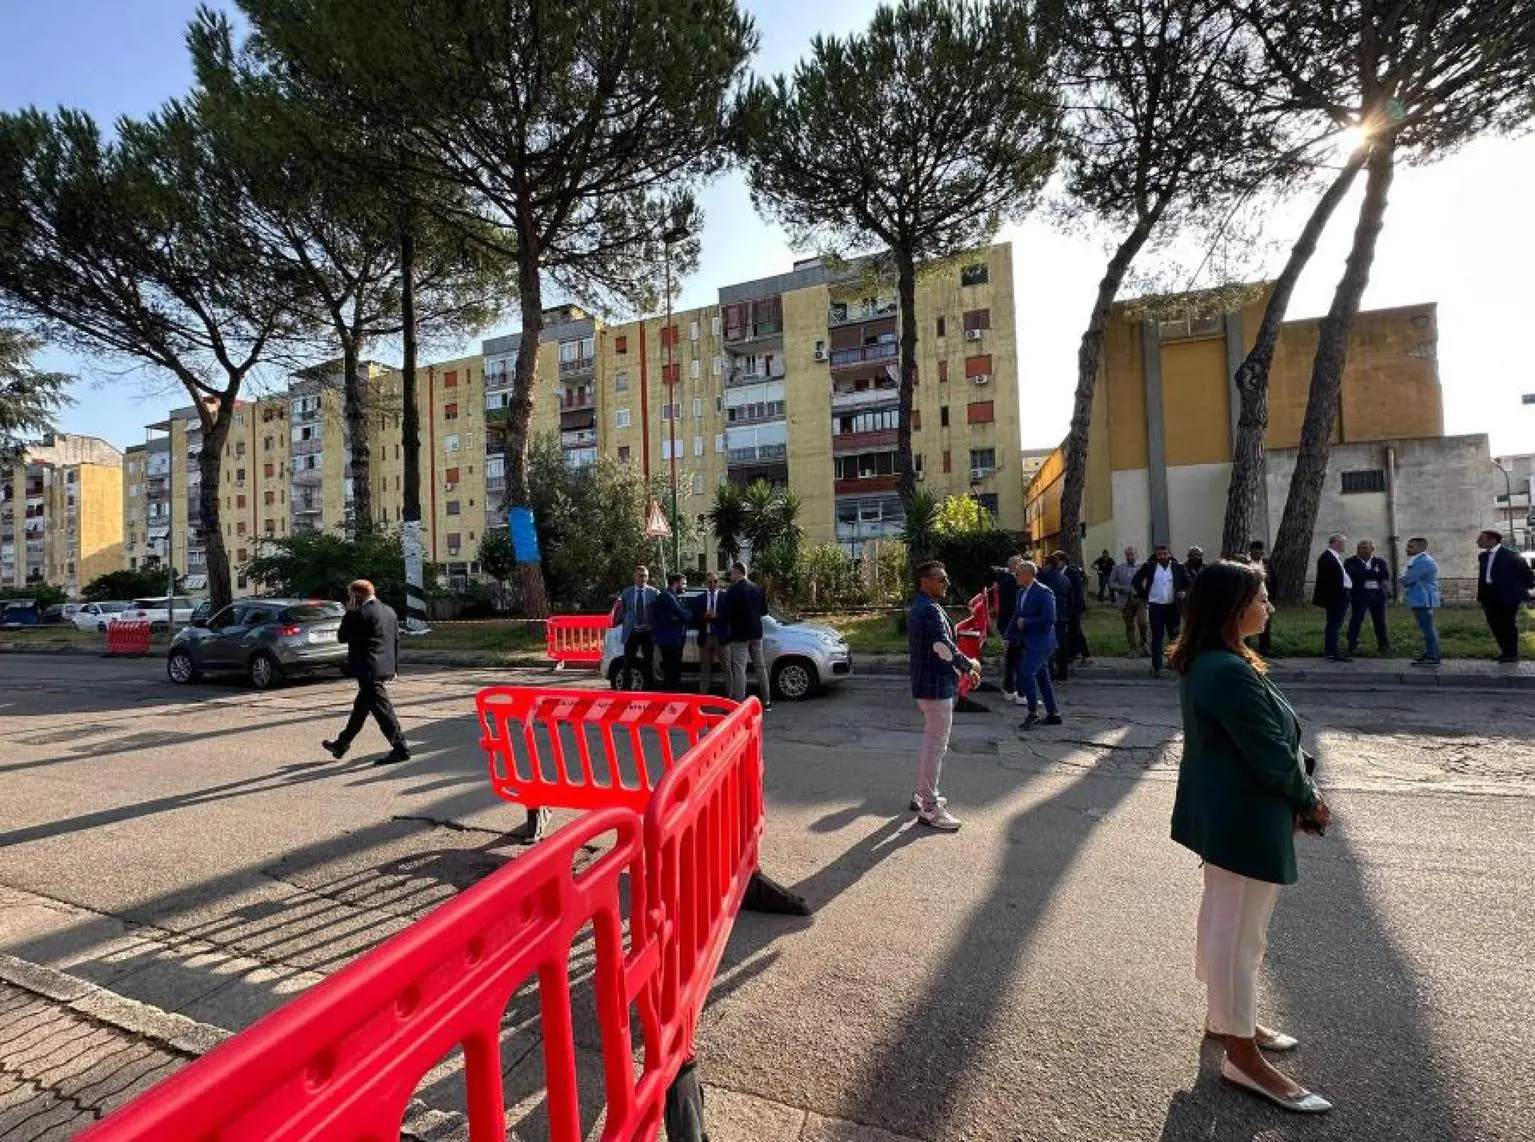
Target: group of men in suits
[(728, 624), (1351, 585)]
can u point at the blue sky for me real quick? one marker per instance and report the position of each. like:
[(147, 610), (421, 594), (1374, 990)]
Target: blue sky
[(1457, 233)]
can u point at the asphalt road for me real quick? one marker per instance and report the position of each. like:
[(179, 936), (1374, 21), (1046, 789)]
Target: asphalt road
[(1028, 978)]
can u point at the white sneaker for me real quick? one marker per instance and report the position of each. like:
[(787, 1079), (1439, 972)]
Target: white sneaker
[(1009, 696), (941, 819), (916, 801), (1020, 700)]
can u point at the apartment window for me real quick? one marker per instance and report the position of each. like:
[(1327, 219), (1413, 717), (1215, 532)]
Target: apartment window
[(976, 319), (719, 366), (239, 501), (620, 382), (267, 470), (916, 462), (242, 555), (621, 418), (239, 420), (671, 411), (621, 345), (719, 442), (983, 458), (269, 498), (453, 507), (240, 528), (266, 444), (940, 326), (981, 412), (714, 325), (271, 527), (948, 463), (623, 453), (694, 368), (943, 416), (450, 379), (239, 475), (450, 443), (672, 373), (1364, 480), (239, 448), (451, 476), (719, 404), (455, 541), (977, 368), (668, 336), (916, 420), (698, 446), (450, 411), (698, 408), (693, 331), (991, 502), (974, 275)]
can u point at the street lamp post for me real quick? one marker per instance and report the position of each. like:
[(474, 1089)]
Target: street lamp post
[(672, 383), (1508, 499)]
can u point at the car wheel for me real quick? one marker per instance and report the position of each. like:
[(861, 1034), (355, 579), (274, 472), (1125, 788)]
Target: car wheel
[(794, 679), (180, 668), (264, 673)]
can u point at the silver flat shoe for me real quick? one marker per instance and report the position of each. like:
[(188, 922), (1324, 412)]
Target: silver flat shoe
[(1276, 1041), (1301, 1102)]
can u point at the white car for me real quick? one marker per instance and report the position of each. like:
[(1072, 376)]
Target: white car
[(96, 616), (158, 611)]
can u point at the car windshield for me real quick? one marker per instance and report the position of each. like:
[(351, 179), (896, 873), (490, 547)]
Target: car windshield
[(148, 604), (112, 608), (313, 612)]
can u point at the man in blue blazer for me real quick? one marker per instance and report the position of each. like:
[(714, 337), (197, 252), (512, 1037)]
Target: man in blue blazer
[(639, 606), (1420, 581), (672, 618), (1371, 578), (1503, 584), (1034, 617)]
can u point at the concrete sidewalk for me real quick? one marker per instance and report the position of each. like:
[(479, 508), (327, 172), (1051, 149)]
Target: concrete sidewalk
[(1362, 672)]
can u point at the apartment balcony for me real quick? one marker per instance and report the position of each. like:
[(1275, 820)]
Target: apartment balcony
[(739, 417), (579, 367), (498, 416), (757, 333), (586, 438), (864, 485), (309, 477), (774, 472), (574, 419), (307, 508), (850, 442), (495, 485), (740, 376), (846, 360), (848, 400), (757, 454), (851, 312), (578, 399), (310, 447), (306, 416)]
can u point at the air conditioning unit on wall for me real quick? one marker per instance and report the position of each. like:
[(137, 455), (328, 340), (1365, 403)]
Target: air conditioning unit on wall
[(822, 355), (981, 379), (981, 473), (972, 335)]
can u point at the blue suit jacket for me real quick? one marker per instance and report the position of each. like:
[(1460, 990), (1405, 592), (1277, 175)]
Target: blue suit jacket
[(1421, 578), (1036, 610), (671, 619), (631, 598)]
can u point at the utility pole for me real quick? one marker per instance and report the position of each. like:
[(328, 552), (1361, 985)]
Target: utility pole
[(673, 387)]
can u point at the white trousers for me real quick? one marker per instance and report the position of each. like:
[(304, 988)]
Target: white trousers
[(1233, 934)]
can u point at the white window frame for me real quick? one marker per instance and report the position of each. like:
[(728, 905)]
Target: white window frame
[(698, 408), (694, 368), (719, 442), (698, 446), (692, 331), (451, 443), (622, 418)]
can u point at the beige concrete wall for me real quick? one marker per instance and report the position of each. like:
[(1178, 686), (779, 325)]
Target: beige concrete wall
[(807, 395)]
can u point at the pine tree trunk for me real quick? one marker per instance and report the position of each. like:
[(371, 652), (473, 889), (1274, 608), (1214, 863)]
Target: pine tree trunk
[(530, 572), (355, 400), (410, 430), (1089, 358), (906, 287), (210, 529), (1292, 546), (1252, 376)]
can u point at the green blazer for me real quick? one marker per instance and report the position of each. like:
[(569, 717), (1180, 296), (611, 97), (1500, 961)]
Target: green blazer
[(1241, 781)]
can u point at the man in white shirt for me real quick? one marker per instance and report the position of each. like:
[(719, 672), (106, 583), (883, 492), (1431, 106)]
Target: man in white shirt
[(711, 633), (1162, 582), (1334, 587)]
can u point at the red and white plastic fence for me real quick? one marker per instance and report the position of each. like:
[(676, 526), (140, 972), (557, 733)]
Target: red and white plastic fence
[(576, 639), (341, 1063), (128, 636)]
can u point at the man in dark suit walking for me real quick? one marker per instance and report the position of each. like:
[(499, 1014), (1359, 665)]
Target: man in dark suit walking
[(1503, 583), (1371, 577), (1334, 587), (372, 636)]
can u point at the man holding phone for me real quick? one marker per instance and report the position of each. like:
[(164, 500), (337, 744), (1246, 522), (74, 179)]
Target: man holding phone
[(936, 667)]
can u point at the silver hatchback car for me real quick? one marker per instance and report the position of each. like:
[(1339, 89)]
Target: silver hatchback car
[(267, 640), (801, 658)]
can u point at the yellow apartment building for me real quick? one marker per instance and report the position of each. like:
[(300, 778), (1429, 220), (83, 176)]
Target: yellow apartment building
[(1164, 419), (61, 516)]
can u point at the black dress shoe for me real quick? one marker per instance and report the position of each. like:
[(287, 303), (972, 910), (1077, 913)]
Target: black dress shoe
[(1508, 659), (397, 754), (1030, 722), (1053, 720), (1340, 658), (336, 749)]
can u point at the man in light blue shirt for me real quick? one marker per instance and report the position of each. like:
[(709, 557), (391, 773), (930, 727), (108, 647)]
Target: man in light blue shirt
[(1421, 579)]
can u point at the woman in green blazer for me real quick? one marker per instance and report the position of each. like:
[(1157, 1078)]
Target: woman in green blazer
[(1242, 793)]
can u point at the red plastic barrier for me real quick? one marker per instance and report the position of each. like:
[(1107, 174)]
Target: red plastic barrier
[(576, 638), (970, 635), (341, 1062), (588, 749), (129, 636)]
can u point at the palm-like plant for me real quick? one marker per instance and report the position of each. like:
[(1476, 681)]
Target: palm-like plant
[(762, 515), (789, 530), (727, 519), (920, 531)]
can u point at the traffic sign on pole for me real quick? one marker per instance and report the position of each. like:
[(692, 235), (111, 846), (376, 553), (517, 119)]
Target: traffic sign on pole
[(657, 527)]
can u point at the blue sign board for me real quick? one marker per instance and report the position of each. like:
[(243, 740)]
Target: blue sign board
[(524, 534)]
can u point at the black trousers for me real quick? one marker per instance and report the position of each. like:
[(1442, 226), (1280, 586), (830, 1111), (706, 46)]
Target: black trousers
[(1503, 621), (1373, 602), (640, 651), (1164, 629), (373, 698), (1063, 651), (1336, 613), (1079, 646), (1011, 657), (671, 668)]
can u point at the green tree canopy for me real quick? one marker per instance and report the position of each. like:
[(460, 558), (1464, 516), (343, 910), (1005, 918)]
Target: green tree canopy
[(917, 138), (127, 585), (29, 397)]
